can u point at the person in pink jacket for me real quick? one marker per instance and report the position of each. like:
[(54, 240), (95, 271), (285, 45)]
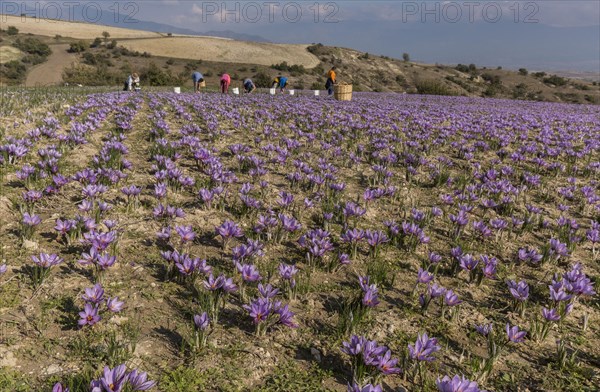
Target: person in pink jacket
[(225, 82)]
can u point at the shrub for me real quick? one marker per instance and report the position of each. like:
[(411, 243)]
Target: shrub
[(262, 80), (78, 47), (97, 43), (14, 70), (33, 46), (555, 80), (433, 87), (462, 68), (523, 71), (316, 86), (406, 57), (112, 44), (154, 76), (12, 30), (493, 79)]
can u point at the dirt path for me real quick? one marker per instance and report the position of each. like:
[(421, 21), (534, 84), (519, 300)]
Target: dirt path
[(50, 72)]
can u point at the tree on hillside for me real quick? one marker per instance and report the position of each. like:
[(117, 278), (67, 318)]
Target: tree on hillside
[(106, 35), (406, 57), (523, 71)]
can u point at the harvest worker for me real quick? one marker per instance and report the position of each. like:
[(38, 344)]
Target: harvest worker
[(133, 81), (197, 78), (249, 85), (281, 82), (330, 81), (225, 82)]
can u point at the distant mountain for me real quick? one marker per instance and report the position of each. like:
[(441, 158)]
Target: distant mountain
[(120, 20)]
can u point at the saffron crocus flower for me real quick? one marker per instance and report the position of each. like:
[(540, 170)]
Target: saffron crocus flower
[(229, 229), (31, 219), (259, 309), (201, 321), (424, 348), (424, 276), (186, 233), (114, 380), (114, 305), (451, 299), (367, 388), (286, 317), (139, 381), (3, 269), (46, 260), (249, 272), (287, 271), (94, 294), (370, 298), (267, 291), (58, 387), (519, 291), (550, 314), (456, 384), (484, 329), (514, 335), (387, 365), (89, 315)]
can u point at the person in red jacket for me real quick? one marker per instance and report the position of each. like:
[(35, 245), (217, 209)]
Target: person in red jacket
[(225, 82)]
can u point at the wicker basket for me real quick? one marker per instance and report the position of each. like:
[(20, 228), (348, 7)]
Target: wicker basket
[(342, 92)]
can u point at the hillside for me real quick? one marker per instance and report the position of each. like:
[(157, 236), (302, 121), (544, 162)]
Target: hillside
[(169, 60)]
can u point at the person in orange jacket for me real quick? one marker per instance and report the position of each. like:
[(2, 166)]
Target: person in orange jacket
[(330, 81)]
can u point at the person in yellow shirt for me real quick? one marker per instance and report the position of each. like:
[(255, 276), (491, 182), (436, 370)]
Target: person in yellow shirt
[(330, 81)]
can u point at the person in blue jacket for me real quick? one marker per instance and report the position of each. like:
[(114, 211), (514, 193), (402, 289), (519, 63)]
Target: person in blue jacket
[(249, 85), (197, 78), (280, 82)]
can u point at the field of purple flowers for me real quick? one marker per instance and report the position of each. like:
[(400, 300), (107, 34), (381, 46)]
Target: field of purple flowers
[(213, 243)]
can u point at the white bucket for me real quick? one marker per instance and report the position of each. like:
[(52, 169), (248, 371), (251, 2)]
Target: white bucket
[(177, 90), (292, 92), (317, 92), (236, 90), (273, 91)]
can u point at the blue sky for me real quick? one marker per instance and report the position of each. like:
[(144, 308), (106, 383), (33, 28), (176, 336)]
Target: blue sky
[(556, 35)]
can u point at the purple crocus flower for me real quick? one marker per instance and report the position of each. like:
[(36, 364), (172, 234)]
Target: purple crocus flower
[(514, 335), (89, 315), (31, 220), (259, 309), (267, 291), (113, 380), (201, 321), (424, 276), (139, 381), (286, 317), (519, 291), (451, 299), (484, 329), (114, 305), (424, 348), (387, 365), (58, 387), (550, 314), (94, 294), (186, 233), (366, 388), (457, 384), (46, 260), (249, 272)]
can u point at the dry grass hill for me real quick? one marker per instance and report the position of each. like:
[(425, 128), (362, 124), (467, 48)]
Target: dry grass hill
[(168, 60)]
